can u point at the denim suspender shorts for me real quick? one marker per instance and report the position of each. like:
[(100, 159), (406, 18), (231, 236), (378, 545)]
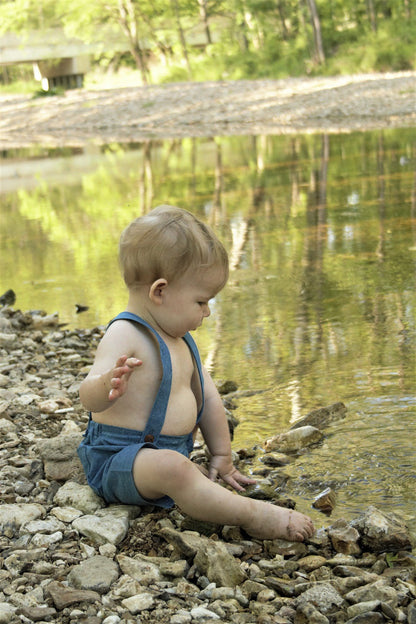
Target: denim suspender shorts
[(107, 452)]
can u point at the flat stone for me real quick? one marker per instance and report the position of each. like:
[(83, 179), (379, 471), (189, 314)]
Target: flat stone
[(379, 590), (13, 516), (323, 596), (81, 497), (36, 614), (64, 596), (102, 529), (323, 416), (97, 573), (141, 602), (294, 439), (142, 570), (218, 565), (382, 532)]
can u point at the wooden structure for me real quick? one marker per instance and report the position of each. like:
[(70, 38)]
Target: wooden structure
[(57, 60)]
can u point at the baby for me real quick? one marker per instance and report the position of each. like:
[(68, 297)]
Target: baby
[(148, 392)]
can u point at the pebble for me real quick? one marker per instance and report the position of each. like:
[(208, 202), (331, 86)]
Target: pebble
[(66, 557)]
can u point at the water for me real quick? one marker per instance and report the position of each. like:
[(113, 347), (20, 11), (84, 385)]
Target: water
[(320, 306)]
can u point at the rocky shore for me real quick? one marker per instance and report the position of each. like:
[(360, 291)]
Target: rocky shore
[(66, 557), (206, 109)]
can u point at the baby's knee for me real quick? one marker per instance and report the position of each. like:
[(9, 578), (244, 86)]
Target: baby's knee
[(176, 468)]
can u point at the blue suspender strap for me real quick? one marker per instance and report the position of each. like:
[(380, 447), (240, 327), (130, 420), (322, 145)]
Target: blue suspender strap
[(194, 350), (157, 415)]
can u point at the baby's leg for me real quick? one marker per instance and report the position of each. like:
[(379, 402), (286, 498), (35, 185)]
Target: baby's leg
[(164, 472)]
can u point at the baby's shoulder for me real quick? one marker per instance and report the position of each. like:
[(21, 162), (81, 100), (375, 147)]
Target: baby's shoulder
[(129, 337)]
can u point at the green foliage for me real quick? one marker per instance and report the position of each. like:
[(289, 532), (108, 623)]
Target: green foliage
[(41, 93), (23, 15), (18, 79), (382, 51), (251, 39), (391, 559)]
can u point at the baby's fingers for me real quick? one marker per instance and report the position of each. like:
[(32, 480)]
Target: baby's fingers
[(238, 480), (234, 484), (133, 362), (115, 391), (243, 479), (125, 366), (121, 361)]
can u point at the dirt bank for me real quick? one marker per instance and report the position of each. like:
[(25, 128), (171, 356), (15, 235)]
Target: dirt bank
[(294, 105)]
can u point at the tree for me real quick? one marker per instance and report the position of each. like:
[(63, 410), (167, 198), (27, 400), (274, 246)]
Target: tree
[(317, 35)]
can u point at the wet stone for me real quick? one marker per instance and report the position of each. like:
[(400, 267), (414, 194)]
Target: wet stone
[(294, 440)]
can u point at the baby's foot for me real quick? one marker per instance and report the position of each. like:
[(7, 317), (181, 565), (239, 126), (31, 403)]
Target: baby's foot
[(274, 522)]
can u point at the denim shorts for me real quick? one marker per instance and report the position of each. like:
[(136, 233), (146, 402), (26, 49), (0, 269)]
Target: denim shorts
[(107, 454)]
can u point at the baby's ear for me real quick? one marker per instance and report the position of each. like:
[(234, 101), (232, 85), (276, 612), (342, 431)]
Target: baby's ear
[(156, 290)]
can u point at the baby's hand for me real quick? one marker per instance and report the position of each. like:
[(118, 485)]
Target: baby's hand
[(222, 466), (121, 375)]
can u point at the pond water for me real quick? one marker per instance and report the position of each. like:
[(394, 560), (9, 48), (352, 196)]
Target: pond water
[(321, 302)]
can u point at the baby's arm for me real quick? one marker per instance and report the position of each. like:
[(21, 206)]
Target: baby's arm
[(214, 428), (107, 381)]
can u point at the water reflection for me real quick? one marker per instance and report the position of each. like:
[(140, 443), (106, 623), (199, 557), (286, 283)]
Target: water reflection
[(320, 306)]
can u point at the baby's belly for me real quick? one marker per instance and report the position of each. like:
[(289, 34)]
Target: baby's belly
[(179, 417)]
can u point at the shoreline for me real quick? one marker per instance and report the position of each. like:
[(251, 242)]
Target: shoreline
[(66, 555), (206, 109)]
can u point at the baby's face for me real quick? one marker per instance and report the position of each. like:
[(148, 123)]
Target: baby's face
[(186, 301)]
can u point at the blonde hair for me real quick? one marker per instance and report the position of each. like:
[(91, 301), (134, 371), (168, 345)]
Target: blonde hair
[(167, 242)]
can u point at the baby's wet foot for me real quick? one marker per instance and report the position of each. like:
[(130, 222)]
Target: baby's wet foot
[(274, 522)]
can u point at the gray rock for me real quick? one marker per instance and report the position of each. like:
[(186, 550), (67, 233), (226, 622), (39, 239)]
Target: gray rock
[(363, 607), (19, 560), (97, 574), (381, 531), (81, 497), (218, 565), (13, 516), (202, 613), (322, 417), (101, 530), (181, 617), (323, 596), (141, 602), (65, 596), (140, 569), (379, 590), (411, 613), (7, 339), (59, 456), (7, 612), (7, 426), (36, 614), (344, 538), (307, 613), (294, 439), (369, 617), (187, 543)]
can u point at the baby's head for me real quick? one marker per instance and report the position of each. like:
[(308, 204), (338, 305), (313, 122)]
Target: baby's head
[(167, 243)]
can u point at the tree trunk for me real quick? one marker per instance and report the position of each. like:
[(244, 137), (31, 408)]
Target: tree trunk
[(129, 25), (317, 36), (371, 14), (203, 13), (182, 37), (285, 34)]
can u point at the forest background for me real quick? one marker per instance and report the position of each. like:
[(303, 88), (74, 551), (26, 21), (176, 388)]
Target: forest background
[(239, 39)]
